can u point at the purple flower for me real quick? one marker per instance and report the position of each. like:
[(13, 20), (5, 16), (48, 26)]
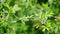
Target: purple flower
[(43, 22)]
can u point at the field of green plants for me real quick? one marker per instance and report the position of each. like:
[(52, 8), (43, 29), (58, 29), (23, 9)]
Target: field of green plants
[(29, 16)]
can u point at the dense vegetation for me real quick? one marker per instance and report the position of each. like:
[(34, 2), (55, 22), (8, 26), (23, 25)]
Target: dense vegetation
[(30, 16)]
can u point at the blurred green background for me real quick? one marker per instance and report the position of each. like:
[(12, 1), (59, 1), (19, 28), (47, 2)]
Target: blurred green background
[(30, 16)]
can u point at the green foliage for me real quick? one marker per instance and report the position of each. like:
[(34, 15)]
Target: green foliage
[(29, 17)]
